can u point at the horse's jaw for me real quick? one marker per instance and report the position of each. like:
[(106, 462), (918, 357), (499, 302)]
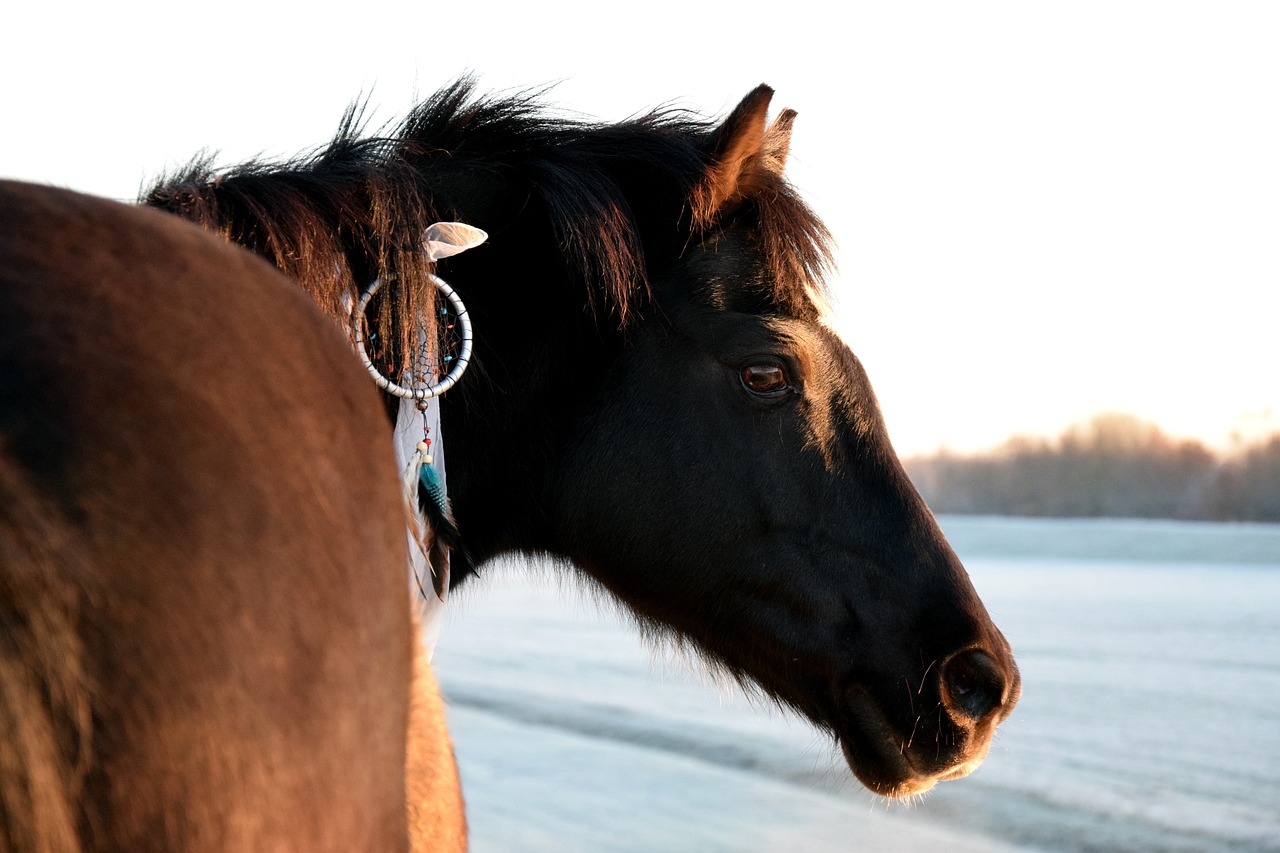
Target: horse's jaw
[(901, 730)]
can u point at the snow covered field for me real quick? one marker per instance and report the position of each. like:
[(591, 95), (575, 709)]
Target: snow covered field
[(1150, 717)]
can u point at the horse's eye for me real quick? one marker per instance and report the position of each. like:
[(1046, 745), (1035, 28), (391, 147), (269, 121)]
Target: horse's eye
[(766, 379)]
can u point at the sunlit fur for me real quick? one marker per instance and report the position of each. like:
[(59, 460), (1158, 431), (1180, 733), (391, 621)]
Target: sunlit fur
[(206, 640)]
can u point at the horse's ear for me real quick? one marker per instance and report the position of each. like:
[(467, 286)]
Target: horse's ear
[(777, 141), (741, 150)]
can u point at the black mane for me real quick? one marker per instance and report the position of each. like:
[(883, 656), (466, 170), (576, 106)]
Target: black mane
[(340, 216)]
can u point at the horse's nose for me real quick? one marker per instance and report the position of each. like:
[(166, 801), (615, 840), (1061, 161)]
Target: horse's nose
[(973, 685)]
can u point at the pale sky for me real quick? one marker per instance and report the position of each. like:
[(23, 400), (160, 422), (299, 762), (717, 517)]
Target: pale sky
[(1043, 210)]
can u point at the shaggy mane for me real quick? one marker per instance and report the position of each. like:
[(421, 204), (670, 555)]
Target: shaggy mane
[(338, 217)]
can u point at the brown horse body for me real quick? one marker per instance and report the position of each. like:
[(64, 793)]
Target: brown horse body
[(206, 640)]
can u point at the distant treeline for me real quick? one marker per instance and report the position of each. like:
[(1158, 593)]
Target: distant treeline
[(1113, 465)]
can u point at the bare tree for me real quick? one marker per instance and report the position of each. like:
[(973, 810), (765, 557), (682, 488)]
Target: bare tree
[(1110, 465)]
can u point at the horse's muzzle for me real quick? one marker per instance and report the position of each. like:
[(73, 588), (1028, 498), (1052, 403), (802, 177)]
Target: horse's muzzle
[(902, 742)]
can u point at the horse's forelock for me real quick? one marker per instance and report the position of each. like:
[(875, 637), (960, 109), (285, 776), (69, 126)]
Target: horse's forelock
[(798, 250)]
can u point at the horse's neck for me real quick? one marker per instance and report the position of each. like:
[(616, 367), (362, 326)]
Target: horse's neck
[(506, 424)]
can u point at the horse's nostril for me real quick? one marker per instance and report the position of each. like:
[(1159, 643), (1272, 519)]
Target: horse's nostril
[(972, 684)]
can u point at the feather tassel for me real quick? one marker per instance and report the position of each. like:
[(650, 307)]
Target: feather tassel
[(429, 478)]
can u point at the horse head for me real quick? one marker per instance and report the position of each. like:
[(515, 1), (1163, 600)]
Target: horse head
[(713, 454)]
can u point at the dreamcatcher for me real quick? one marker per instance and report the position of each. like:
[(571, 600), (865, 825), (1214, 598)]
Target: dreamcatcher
[(434, 366)]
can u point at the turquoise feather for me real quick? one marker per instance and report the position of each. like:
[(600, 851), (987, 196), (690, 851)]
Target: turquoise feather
[(429, 479)]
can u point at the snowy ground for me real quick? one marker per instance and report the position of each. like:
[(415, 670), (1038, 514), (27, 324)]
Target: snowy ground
[(1150, 717)]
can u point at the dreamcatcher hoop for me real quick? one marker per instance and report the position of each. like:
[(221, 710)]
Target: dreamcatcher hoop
[(441, 240), (456, 370)]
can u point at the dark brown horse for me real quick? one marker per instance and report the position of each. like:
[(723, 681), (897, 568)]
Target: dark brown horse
[(205, 632), (656, 399)]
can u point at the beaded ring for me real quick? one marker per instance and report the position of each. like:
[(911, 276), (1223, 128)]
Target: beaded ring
[(458, 366)]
